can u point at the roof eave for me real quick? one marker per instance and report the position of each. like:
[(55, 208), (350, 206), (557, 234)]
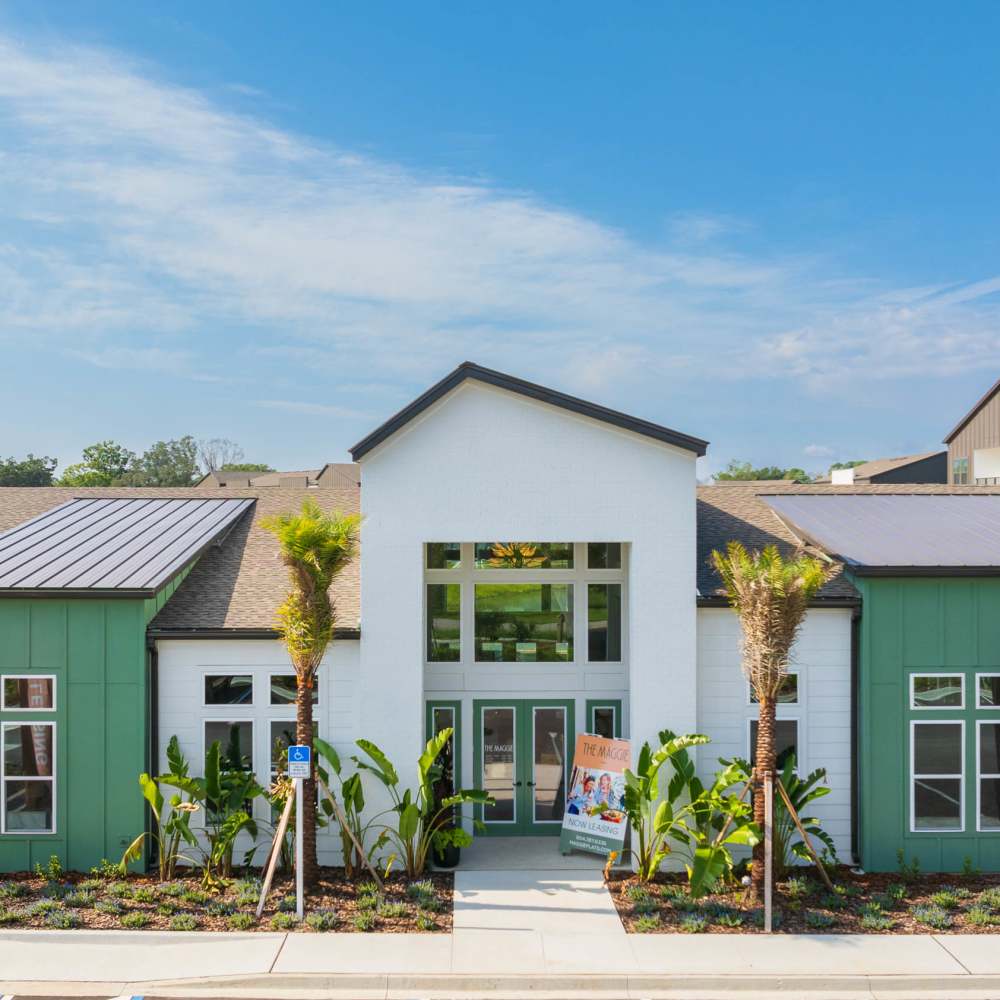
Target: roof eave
[(990, 393), (900, 571)]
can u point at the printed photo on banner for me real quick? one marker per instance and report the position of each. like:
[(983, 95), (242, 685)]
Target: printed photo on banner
[(594, 819)]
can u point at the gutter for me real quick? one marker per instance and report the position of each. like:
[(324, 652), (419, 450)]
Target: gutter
[(156, 634), (820, 602), (855, 698)]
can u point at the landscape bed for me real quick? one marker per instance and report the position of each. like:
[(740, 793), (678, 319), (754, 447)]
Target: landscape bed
[(863, 904), (140, 902)]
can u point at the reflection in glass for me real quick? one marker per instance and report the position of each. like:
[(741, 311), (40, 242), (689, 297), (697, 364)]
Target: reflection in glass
[(28, 751), (989, 690), (937, 692), (604, 721), (236, 740), (528, 622), (285, 686), (443, 555), (989, 748), (937, 749), (604, 555), (989, 804), (788, 692), (282, 737), (549, 764), (443, 622), (28, 806), (498, 763), (604, 622), (524, 555), (786, 741), (228, 689), (28, 692), (443, 717), (937, 803)]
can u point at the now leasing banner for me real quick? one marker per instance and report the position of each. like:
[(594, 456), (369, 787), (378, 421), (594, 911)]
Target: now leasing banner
[(594, 819)]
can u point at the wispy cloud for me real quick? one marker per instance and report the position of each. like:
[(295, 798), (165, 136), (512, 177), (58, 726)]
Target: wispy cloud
[(141, 214), (314, 409)]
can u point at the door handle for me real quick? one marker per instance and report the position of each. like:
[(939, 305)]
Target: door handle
[(531, 784), (517, 784)]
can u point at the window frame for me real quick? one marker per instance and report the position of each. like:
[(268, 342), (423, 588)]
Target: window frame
[(271, 674), (778, 705), (980, 775), (615, 704), (4, 707), (456, 710), (801, 752), (913, 776), (248, 706), (914, 707), (51, 779), (979, 706), (205, 744)]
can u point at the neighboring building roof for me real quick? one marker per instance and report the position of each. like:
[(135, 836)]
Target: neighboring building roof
[(903, 532), (871, 471), (122, 545), (469, 370), (333, 476), (990, 393)]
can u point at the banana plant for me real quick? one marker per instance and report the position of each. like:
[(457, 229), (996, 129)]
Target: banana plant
[(418, 815), (787, 840), (173, 825)]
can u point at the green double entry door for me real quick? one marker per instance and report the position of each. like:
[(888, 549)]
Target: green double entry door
[(522, 754)]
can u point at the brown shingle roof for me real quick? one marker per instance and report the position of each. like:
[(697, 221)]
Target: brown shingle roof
[(879, 465), (237, 585)]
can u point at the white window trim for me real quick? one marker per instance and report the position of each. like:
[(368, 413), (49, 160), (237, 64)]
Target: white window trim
[(980, 775), (914, 707), (793, 705), (800, 743), (8, 724), (467, 576), (205, 744), (596, 706), (318, 703), (979, 705), (913, 776), (230, 672), (4, 707)]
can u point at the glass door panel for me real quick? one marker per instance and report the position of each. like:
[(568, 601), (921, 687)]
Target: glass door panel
[(548, 780), (499, 762)]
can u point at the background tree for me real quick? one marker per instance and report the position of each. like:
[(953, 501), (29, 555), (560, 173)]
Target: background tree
[(166, 463), (771, 595), (246, 467), (315, 546), (29, 471), (218, 453), (104, 464), (848, 465), (744, 471)]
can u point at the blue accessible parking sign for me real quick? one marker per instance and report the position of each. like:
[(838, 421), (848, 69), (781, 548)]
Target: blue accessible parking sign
[(299, 761)]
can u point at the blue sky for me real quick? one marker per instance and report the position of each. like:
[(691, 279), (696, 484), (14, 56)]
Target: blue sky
[(771, 225)]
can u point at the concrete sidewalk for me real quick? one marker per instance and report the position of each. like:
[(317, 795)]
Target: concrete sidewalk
[(502, 962)]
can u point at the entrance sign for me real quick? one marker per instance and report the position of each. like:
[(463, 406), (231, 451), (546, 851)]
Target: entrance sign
[(299, 761), (595, 820)]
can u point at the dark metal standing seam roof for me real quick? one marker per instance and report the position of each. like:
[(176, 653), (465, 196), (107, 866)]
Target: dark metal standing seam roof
[(894, 532), (121, 545)]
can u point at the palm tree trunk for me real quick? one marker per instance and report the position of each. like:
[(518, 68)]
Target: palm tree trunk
[(304, 737), (764, 764)]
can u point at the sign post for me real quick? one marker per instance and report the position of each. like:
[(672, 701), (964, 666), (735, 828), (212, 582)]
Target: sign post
[(299, 769)]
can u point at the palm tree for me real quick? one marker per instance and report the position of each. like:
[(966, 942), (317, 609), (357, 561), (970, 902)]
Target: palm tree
[(315, 546), (771, 595)]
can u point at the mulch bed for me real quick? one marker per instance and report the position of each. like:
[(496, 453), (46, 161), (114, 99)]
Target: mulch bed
[(894, 903), (140, 902)]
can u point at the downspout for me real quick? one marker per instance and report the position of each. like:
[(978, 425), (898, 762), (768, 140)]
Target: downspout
[(855, 683), (153, 731)]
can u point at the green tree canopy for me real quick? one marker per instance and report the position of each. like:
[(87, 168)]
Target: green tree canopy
[(246, 467), (104, 464), (848, 465), (166, 463), (744, 471), (29, 471)]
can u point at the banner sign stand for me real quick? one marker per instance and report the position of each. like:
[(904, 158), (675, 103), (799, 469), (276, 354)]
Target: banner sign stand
[(594, 819)]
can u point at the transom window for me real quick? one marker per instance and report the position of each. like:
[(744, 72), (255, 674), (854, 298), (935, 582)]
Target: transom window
[(788, 692), (937, 690), (988, 690), (28, 693), (524, 602)]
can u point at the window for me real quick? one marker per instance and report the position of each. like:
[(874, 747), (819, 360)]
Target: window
[(960, 472), (788, 693), (988, 690), (937, 768), (282, 736), (989, 776), (604, 555), (447, 715), (28, 693), (786, 742), (236, 742), (604, 718), (443, 555), (228, 689), (443, 622), (27, 777), (284, 687), (524, 555), (604, 622), (524, 622), (937, 690)]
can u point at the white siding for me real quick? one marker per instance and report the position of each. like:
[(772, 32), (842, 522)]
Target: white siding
[(822, 656), (183, 665)]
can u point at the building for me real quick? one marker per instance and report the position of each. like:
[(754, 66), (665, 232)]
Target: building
[(129, 616), (974, 444), (927, 467)]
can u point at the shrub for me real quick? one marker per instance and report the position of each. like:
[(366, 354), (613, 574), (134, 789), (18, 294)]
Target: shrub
[(109, 907), (13, 890), (134, 921), (52, 871), (819, 920), (425, 923), (220, 908), (322, 920), (195, 897), (369, 888), (876, 922), (284, 921), (367, 902), (431, 904), (758, 918), (63, 920), (978, 916), (167, 908), (831, 901), (968, 868), (119, 890), (8, 917), (884, 901), (646, 905), (420, 891), (692, 924), (390, 910), (184, 922), (248, 885), (90, 885), (106, 870), (648, 923), (637, 893), (872, 909), (56, 890), (796, 888), (287, 904), (144, 894), (990, 898), (896, 891), (908, 871), (79, 900), (364, 921), (731, 919), (246, 898), (44, 907), (932, 916), (946, 899), (242, 921), (173, 890)]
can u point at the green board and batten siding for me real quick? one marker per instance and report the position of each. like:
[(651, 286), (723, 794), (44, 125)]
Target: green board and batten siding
[(97, 651), (912, 625)]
